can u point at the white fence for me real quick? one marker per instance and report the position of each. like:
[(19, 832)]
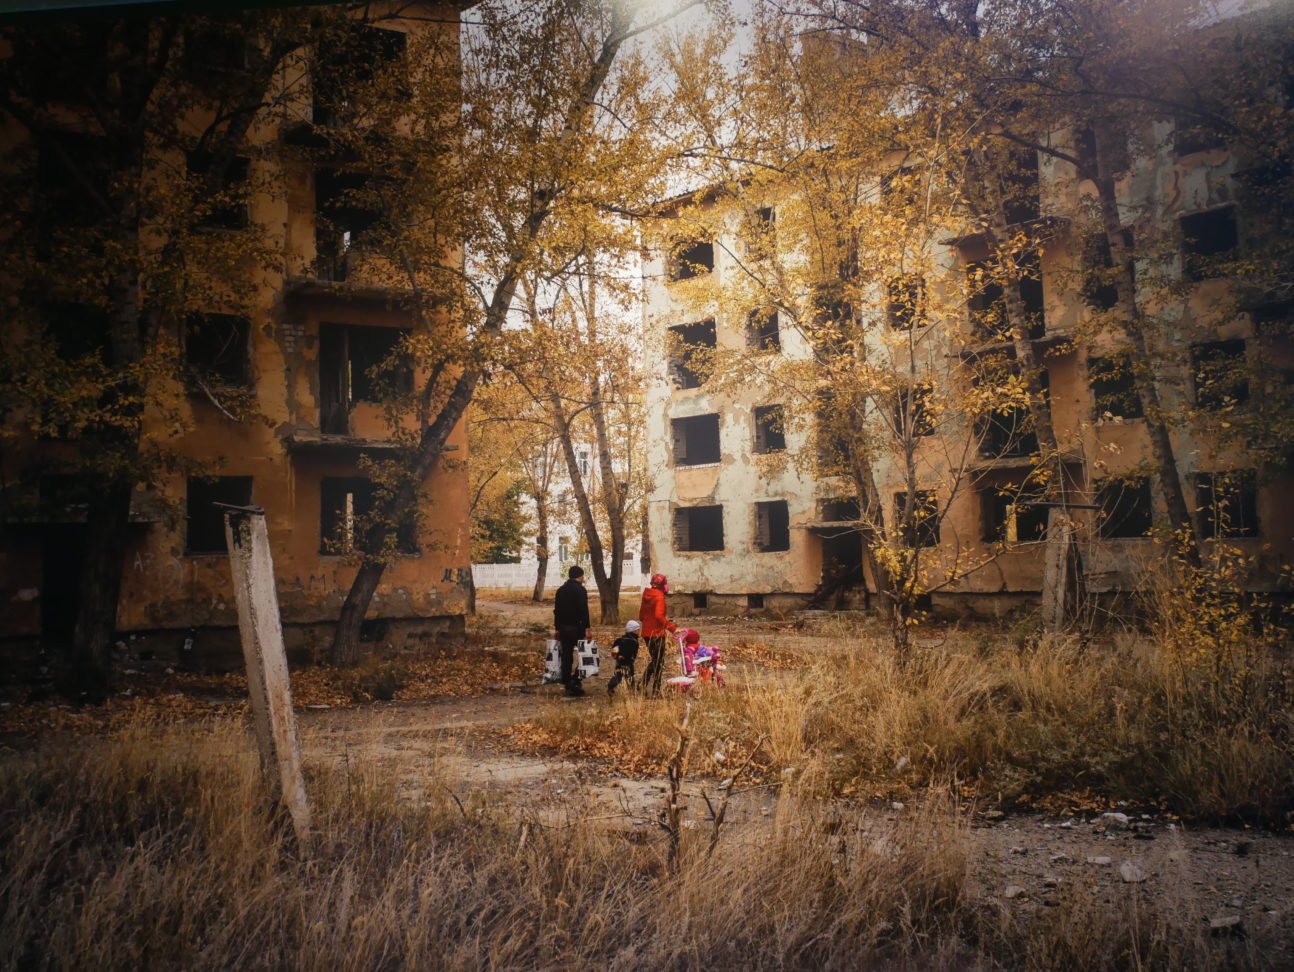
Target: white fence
[(521, 577)]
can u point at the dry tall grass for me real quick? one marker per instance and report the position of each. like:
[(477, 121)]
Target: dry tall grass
[(151, 850), (1013, 720)]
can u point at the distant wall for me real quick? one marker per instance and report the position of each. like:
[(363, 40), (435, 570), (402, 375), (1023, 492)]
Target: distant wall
[(521, 577)]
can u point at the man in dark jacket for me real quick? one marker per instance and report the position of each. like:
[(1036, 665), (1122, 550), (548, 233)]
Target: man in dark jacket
[(571, 622)]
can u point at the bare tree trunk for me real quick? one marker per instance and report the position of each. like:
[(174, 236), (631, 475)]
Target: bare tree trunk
[(1180, 515), (541, 551)]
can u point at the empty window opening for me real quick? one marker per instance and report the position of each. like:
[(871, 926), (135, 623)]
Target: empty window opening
[(696, 440), (770, 429), (1021, 188), (901, 189), (357, 58), (1208, 240), (74, 180), (346, 516), (76, 330), (772, 526), (215, 50), (765, 218), (1114, 388), (986, 301), (1007, 516), (1191, 136), (1117, 157), (345, 214), (1125, 507), (923, 528), (227, 207), (1227, 503), (204, 522), (358, 364), (691, 348), (1220, 374), (755, 602), (763, 331), (1008, 432), (913, 415), (1098, 288), (905, 306), (700, 601), (215, 348), (698, 528), (840, 509), (833, 425), (690, 258), (832, 326)]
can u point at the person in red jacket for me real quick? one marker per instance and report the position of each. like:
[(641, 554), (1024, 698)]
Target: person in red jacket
[(655, 625)]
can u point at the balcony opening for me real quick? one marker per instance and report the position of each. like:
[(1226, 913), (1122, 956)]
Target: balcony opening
[(345, 213), (1220, 374), (923, 531), (832, 428), (358, 58), (691, 348), (1227, 503), (690, 258), (204, 523), (216, 349), (1114, 389), (770, 429), (1008, 432), (1209, 239), (772, 526), (986, 300), (346, 516), (358, 363), (763, 332), (1008, 516), (905, 304), (698, 529), (76, 330), (696, 440), (1125, 507), (227, 208)]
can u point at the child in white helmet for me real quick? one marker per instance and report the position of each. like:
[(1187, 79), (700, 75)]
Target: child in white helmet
[(625, 651)]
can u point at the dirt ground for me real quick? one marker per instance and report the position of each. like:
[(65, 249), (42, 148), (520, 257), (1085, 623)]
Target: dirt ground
[(1240, 880)]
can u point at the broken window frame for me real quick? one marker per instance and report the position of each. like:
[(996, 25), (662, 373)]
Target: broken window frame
[(1227, 503), (1007, 516), (772, 526), (1126, 508), (770, 429), (840, 509), (343, 219), (204, 523), (685, 527), (364, 51), (339, 387), (222, 355), (913, 402), (689, 450)]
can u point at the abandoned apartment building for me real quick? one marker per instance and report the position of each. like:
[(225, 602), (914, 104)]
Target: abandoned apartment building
[(305, 354), (735, 532)]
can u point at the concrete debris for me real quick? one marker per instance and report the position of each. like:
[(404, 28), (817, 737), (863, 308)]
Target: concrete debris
[(1227, 926), (1102, 860), (1131, 872), (1013, 891), (1118, 821)]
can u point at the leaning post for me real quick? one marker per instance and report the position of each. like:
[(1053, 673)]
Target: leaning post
[(261, 632)]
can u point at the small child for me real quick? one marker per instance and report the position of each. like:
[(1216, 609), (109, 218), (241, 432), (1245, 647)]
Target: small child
[(701, 661), (625, 651)]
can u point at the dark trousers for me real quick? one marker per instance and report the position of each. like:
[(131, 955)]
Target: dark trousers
[(624, 671), (656, 667), (567, 636)]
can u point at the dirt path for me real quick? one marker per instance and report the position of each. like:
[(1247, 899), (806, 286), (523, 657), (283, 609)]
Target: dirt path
[(1238, 879)]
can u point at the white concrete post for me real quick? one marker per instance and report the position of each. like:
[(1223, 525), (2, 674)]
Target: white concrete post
[(261, 632)]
